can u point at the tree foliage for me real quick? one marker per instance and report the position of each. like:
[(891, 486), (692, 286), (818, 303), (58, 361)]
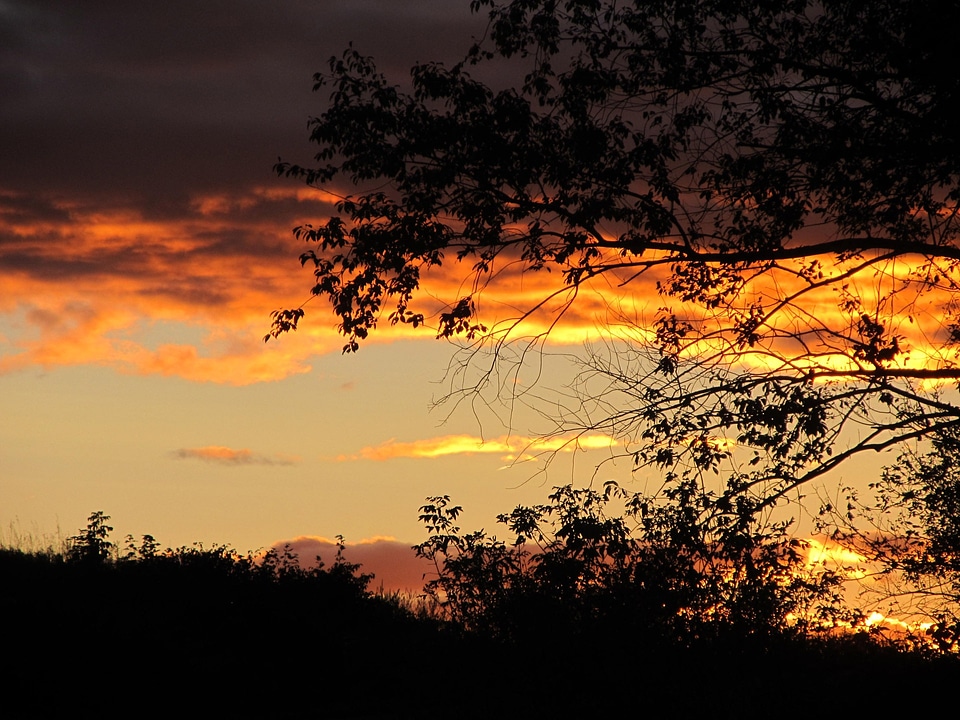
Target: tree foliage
[(574, 568), (785, 174), (907, 524), (189, 627), (92, 544)]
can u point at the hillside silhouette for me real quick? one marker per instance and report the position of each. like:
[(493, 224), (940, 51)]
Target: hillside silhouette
[(102, 631)]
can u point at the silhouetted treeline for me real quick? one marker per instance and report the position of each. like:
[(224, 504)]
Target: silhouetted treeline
[(107, 631)]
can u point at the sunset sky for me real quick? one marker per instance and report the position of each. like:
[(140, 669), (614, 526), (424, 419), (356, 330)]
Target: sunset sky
[(144, 240)]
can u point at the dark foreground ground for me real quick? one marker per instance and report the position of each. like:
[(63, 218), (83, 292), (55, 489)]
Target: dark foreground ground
[(195, 637)]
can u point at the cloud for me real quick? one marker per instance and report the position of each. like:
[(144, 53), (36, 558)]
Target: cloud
[(190, 295), (509, 447), (167, 100), (393, 563), (158, 207), (823, 553), (92, 286), (230, 456)]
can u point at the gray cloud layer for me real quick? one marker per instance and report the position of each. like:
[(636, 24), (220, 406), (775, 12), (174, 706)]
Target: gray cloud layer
[(144, 104)]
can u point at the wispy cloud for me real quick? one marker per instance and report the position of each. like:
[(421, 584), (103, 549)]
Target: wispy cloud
[(508, 447), (231, 456)]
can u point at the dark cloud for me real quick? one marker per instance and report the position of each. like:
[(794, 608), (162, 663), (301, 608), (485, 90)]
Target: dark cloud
[(137, 142), (146, 104), (53, 243), (22, 209)]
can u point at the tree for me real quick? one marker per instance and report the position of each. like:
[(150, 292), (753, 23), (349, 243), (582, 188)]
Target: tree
[(92, 545), (912, 534), (785, 174), (576, 569)]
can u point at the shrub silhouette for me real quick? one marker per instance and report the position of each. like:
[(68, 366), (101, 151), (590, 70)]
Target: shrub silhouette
[(180, 626), (653, 570), (92, 544), (585, 614)]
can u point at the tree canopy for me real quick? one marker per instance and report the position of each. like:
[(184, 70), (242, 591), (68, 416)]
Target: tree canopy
[(780, 177)]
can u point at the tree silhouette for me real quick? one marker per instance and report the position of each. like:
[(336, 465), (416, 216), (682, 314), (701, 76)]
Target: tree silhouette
[(579, 601), (576, 568), (92, 544), (907, 523), (784, 174)]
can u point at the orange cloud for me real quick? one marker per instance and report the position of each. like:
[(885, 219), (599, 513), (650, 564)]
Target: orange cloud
[(230, 456), (189, 295), (509, 447), (804, 320)]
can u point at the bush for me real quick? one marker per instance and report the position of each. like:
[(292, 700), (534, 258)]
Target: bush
[(657, 569)]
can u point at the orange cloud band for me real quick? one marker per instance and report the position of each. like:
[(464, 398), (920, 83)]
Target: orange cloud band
[(190, 296), (509, 447)]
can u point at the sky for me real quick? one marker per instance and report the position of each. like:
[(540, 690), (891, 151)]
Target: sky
[(144, 241)]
